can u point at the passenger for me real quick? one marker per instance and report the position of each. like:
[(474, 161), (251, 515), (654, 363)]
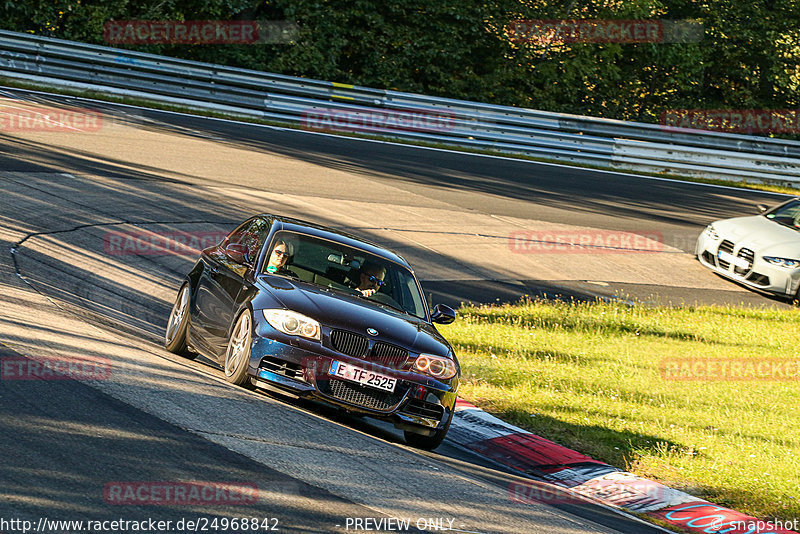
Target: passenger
[(370, 278), (279, 257)]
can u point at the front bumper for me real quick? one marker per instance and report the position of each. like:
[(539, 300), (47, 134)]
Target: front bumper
[(300, 368), (748, 269)]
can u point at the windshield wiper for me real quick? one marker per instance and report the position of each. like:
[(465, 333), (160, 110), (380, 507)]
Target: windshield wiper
[(383, 304)]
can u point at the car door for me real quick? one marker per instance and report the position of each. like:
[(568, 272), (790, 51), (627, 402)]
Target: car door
[(227, 283), (217, 289)]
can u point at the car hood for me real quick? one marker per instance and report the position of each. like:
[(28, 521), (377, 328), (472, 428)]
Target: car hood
[(338, 310), (761, 235)]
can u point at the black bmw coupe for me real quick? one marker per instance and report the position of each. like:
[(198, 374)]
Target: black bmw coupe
[(307, 311)]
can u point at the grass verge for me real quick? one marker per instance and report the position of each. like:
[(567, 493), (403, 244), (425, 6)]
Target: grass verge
[(590, 376), (786, 188)]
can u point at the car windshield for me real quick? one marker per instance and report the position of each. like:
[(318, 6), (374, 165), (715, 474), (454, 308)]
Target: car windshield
[(787, 214), (342, 268)]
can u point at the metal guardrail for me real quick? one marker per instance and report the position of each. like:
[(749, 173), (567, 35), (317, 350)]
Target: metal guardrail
[(588, 140)]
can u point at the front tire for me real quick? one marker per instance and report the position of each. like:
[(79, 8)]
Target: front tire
[(237, 357), (178, 325), (429, 442)]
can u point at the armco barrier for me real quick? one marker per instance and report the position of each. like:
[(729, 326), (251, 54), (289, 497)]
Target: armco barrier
[(286, 99)]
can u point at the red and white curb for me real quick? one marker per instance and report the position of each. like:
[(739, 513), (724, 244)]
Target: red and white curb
[(581, 475)]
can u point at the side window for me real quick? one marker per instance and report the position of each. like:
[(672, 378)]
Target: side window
[(237, 235), (252, 234), (233, 237), (256, 236)]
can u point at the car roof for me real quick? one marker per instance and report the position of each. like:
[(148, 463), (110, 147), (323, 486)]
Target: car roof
[(316, 230)]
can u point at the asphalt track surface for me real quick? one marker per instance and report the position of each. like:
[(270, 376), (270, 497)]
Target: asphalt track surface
[(556, 194), (161, 418)]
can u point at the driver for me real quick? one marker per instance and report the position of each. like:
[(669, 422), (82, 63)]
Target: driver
[(370, 278), (279, 257)]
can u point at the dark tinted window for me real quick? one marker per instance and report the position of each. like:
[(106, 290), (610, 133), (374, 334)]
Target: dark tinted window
[(252, 234), (336, 266), (787, 215)]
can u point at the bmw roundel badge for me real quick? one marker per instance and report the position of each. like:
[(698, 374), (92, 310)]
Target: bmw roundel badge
[(372, 332)]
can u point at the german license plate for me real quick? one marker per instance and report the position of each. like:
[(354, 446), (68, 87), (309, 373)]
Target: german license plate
[(362, 376), (730, 258)]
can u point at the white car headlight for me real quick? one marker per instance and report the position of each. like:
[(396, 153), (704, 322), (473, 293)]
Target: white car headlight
[(711, 232), (782, 262), (436, 366), (292, 323)]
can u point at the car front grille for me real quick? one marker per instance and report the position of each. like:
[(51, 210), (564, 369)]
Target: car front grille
[(382, 353), (358, 395), (349, 343), (389, 355), (748, 255), (725, 246)]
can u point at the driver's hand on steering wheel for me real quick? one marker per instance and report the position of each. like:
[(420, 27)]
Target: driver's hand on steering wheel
[(368, 292)]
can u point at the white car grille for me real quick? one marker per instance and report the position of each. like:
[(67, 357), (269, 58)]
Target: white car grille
[(742, 261)]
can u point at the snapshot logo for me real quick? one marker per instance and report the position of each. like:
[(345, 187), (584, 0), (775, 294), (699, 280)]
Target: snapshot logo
[(702, 516), (564, 31), (368, 120), (159, 243), (180, 493), (730, 369), (746, 121), (194, 32), (19, 368), (20, 118), (584, 242)]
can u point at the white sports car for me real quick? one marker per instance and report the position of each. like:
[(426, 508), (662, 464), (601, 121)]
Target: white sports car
[(760, 251)]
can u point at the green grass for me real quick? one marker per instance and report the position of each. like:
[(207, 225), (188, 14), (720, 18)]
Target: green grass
[(588, 376), (776, 187)]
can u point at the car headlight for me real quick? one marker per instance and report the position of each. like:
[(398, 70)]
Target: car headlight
[(711, 232), (436, 366), (292, 323), (782, 262)]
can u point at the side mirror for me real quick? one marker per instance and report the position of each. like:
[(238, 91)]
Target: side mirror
[(238, 253), (762, 208), (443, 314)]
